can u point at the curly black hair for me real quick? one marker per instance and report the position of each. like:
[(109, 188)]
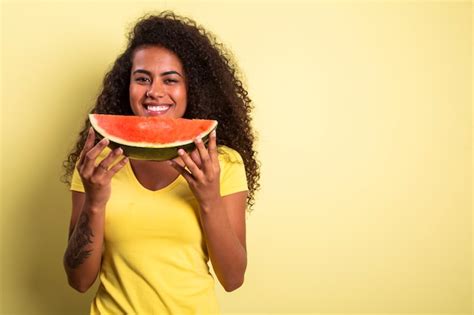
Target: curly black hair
[(214, 88)]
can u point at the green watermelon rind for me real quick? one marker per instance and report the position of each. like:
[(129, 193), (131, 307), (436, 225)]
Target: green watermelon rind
[(149, 151), (155, 154)]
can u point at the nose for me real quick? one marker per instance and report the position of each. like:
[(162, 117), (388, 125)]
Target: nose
[(155, 90)]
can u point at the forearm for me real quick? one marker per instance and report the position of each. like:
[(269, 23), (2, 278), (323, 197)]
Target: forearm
[(227, 254), (83, 255)]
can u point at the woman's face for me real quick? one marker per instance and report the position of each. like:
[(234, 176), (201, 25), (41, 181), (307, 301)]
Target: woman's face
[(157, 83)]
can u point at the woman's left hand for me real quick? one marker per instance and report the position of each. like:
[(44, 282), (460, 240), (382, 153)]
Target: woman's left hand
[(203, 172)]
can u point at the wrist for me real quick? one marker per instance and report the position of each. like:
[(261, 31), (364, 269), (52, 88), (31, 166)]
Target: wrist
[(93, 207), (211, 205)]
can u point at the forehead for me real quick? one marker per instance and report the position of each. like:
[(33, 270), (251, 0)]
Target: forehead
[(155, 58)]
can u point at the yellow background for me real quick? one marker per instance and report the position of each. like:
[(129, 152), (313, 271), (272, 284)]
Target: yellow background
[(364, 117)]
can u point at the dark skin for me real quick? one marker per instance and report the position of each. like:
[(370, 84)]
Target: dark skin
[(157, 78), (222, 217), (209, 74), (77, 254), (155, 175)]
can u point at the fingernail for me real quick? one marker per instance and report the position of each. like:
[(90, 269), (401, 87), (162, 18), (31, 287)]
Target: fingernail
[(198, 140), (90, 130), (213, 133), (119, 151), (180, 151)]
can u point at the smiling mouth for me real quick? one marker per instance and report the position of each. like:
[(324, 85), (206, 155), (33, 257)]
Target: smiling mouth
[(157, 109)]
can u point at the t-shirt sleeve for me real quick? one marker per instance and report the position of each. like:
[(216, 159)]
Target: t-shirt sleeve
[(233, 176)]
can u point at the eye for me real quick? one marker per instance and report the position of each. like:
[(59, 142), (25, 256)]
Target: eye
[(170, 81), (142, 79)]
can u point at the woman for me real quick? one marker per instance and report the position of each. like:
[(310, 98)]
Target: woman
[(148, 228)]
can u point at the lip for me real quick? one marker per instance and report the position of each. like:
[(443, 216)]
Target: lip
[(155, 113), (156, 104)]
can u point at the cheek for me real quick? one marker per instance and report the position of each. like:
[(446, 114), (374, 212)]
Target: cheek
[(180, 92), (135, 93), (135, 99), (184, 96)]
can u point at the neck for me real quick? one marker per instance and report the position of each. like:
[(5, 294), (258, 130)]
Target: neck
[(150, 164)]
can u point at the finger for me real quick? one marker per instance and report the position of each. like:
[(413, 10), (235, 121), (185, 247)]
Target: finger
[(213, 147), (182, 170), (204, 155), (195, 171), (91, 156), (196, 158), (118, 166), (178, 160), (87, 145), (104, 165)]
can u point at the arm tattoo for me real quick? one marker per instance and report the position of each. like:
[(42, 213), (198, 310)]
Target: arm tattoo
[(76, 254)]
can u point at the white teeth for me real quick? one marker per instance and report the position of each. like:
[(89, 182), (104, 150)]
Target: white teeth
[(159, 108)]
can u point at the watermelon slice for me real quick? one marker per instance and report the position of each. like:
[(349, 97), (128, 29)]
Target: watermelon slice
[(151, 137)]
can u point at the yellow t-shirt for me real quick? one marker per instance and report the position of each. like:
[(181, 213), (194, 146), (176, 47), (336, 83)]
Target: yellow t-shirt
[(155, 259)]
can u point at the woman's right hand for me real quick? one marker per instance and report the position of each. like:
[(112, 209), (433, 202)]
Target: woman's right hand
[(96, 178)]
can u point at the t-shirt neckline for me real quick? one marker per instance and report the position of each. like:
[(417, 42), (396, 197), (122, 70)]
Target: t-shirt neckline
[(137, 183)]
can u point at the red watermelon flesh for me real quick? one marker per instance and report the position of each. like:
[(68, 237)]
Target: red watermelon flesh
[(151, 137), (151, 131)]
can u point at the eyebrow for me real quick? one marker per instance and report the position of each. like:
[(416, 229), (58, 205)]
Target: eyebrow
[(162, 74)]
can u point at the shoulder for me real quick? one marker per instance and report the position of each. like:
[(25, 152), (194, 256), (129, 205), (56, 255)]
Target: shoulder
[(232, 171), (229, 155)]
